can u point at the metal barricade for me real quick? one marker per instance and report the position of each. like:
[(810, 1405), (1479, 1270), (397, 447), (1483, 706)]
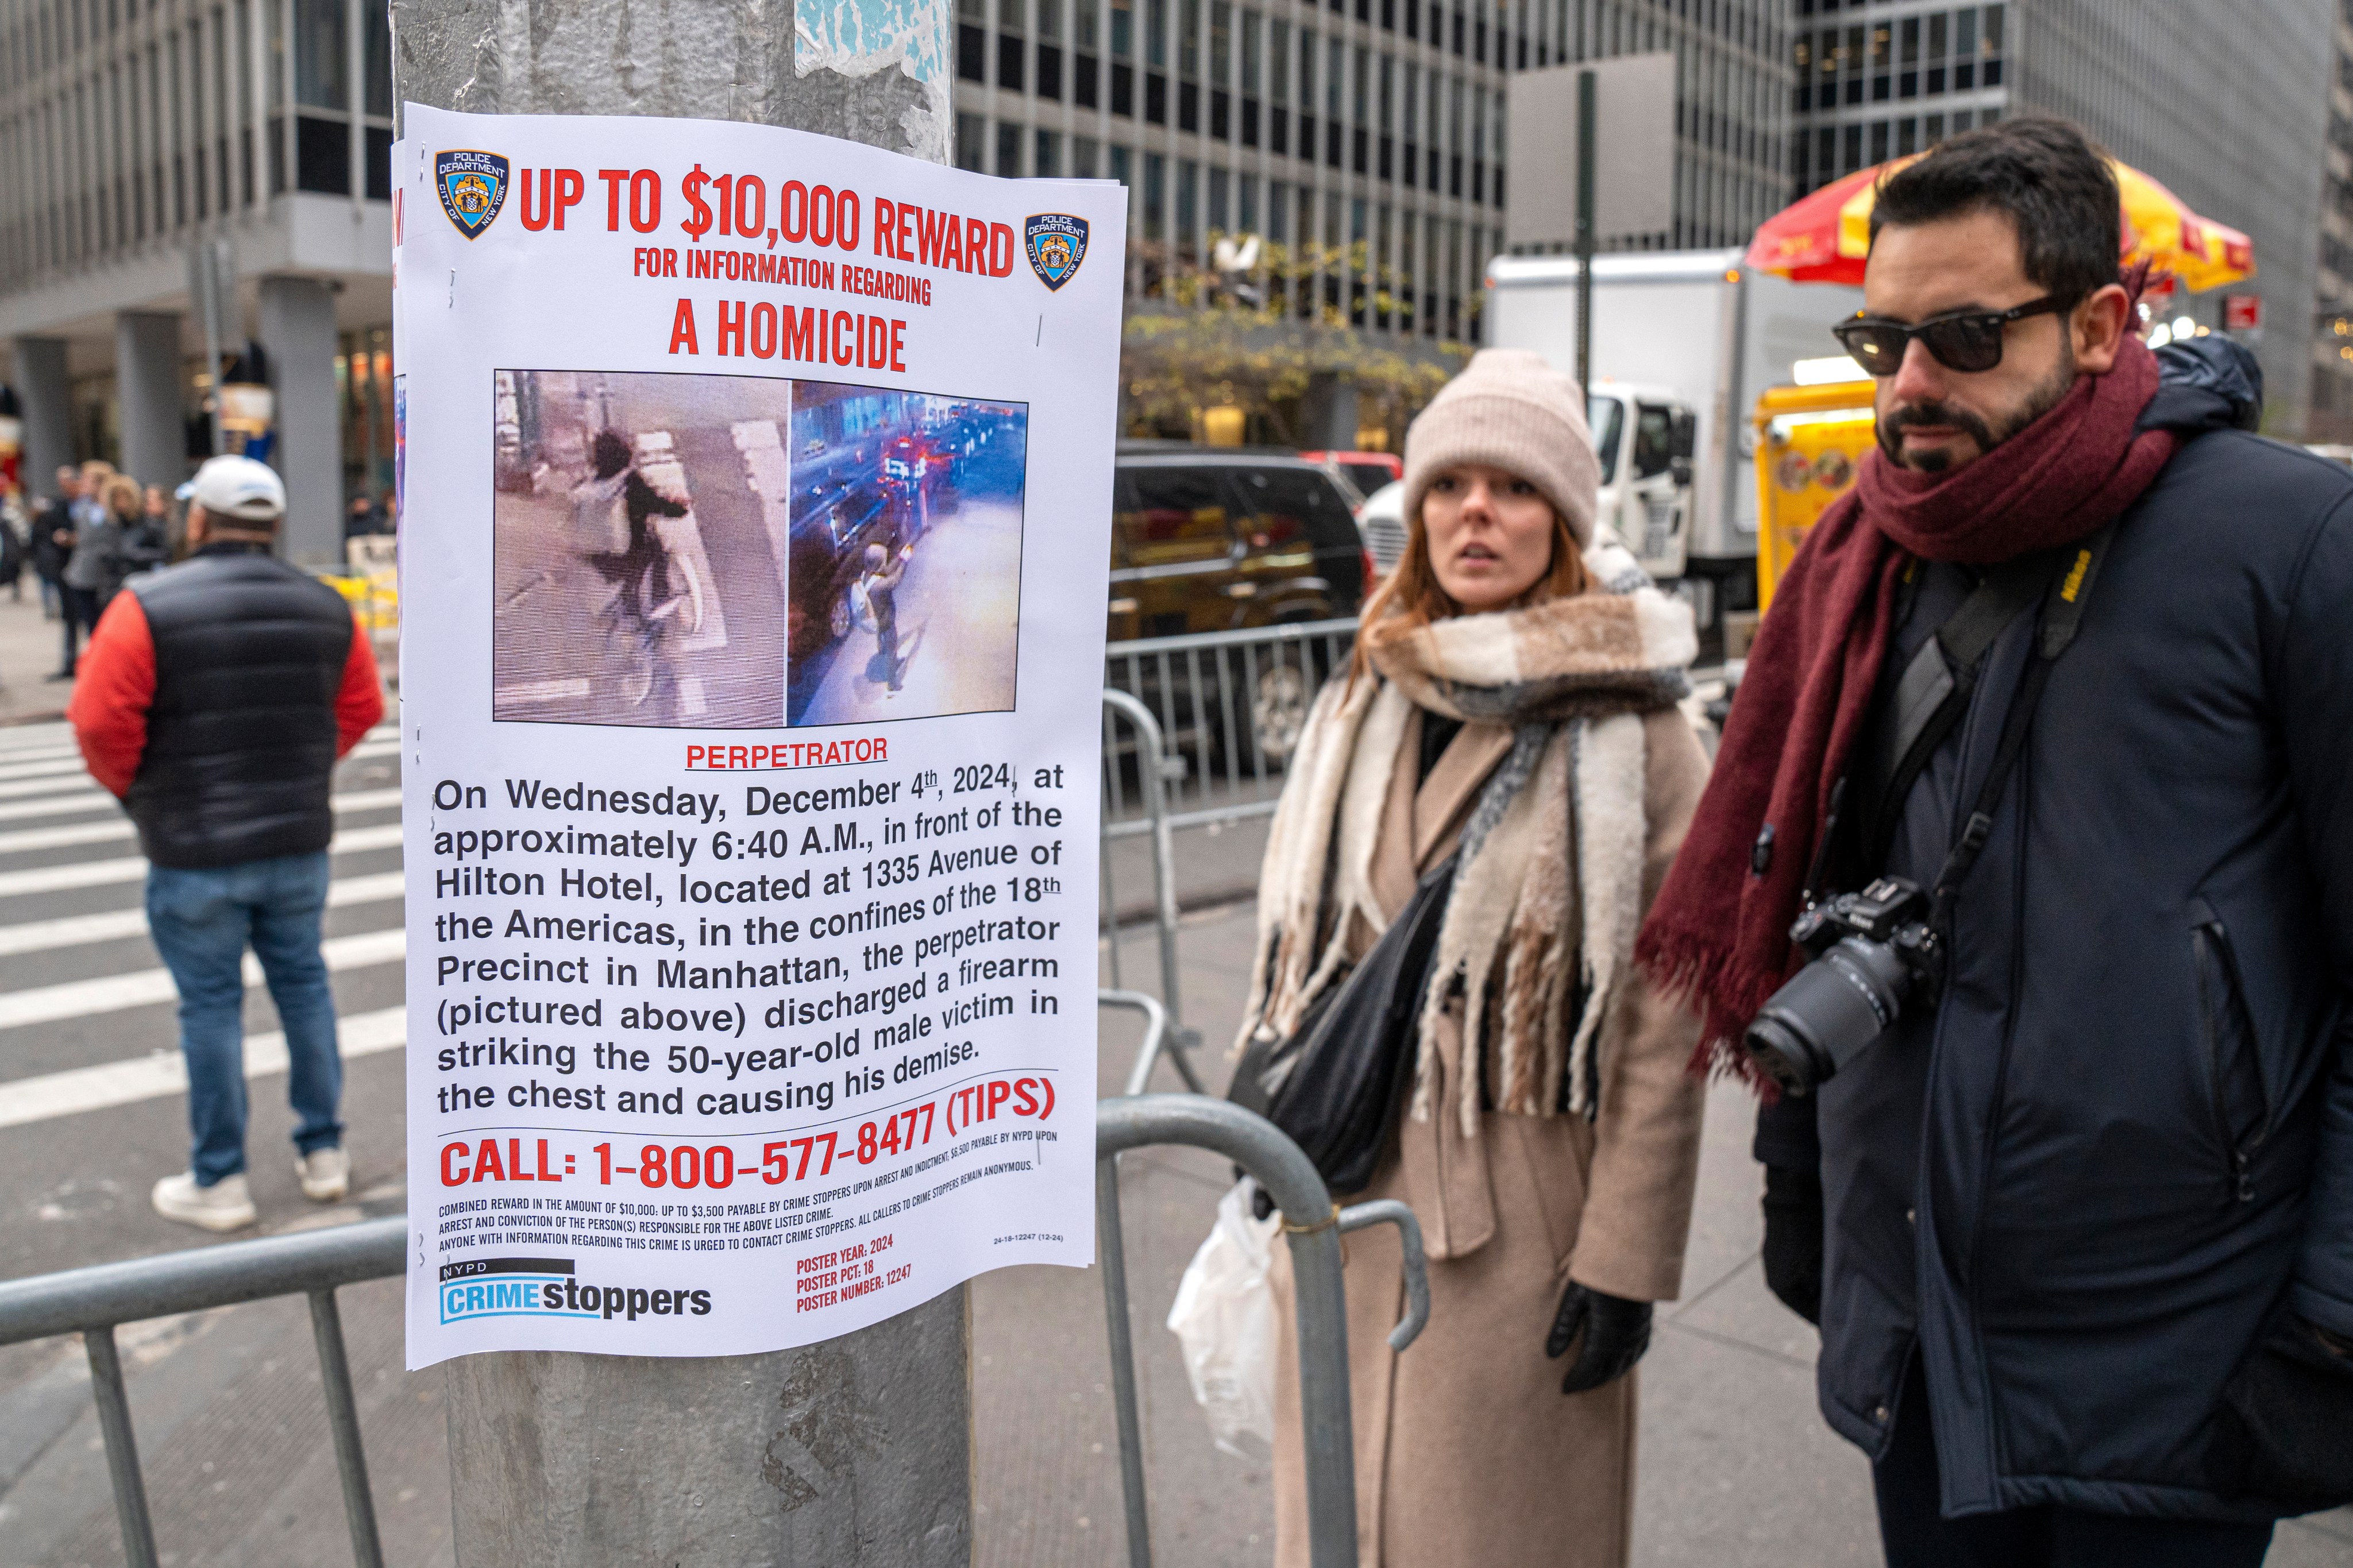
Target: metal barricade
[(93, 1301), (1157, 1041), (1231, 705), (1205, 725), (1313, 1224), (1155, 770)]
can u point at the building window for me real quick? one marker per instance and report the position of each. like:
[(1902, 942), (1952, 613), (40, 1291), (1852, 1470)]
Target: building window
[(1047, 164), (1246, 216), (1049, 72), (1083, 156), (972, 53), (1220, 188), (971, 141), (1008, 148), (1188, 182), (1156, 182), (1009, 63)]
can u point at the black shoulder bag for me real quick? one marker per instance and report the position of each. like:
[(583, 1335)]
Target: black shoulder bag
[(1335, 1084)]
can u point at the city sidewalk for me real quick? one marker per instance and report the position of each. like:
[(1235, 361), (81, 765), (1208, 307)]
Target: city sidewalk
[(30, 648)]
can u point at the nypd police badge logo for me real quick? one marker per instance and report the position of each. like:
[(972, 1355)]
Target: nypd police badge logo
[(473, 187), (1058, 243)]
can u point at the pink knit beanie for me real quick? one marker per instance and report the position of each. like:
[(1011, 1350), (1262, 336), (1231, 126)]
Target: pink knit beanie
[(1513, 410)]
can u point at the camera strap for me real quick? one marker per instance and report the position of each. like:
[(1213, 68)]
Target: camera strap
[(2063, 614), (1933, 693)]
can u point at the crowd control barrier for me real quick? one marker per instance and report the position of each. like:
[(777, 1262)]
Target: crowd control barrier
[(94, 1301), (1198, 731), (1313, 1224)]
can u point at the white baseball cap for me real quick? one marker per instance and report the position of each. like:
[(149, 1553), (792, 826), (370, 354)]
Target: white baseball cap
[(238, 488)]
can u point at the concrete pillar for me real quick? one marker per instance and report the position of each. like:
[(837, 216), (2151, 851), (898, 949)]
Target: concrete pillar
[(47, 398), (298, 333), (147, 384), (858, 1450), (1327, 414)]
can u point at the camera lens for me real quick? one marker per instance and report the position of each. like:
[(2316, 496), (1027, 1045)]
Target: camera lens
[(1828, 1011)]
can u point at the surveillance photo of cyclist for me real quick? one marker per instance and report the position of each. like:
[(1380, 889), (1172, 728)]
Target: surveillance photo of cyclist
[(740, 553), (906, 553)]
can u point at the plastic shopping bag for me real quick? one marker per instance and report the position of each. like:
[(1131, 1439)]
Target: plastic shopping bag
[(1224, 1315)]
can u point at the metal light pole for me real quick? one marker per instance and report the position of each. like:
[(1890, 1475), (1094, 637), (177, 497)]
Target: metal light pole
[(857, 1451), (1586, 93)]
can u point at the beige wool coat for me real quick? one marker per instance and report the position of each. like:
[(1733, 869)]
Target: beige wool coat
[(1467, 1451)]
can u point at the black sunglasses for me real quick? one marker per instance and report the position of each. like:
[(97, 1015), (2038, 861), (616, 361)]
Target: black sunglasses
[(1966, 341)]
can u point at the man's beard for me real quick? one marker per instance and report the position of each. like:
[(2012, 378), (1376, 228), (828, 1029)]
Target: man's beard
[(2038, 402)]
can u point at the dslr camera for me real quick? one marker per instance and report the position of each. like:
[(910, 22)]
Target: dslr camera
[(1872, 952)]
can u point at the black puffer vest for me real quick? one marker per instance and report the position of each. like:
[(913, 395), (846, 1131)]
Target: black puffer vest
[(249, 653)]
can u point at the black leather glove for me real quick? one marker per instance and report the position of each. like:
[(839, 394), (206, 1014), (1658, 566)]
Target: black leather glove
[(1793, 1240), (2285, 1414), (1616, 1333)]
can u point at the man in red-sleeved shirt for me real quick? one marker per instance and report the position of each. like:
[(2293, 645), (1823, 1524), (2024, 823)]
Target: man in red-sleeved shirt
[(214, 699)]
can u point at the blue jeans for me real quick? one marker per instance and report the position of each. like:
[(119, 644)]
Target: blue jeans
[(201, 921)]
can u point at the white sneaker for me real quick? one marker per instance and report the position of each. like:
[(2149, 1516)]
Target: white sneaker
[(326, 1175), (223, 1205)]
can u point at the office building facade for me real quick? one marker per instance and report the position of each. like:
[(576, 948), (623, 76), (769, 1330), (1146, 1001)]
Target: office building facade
[(2226, 107), (132, 131), (1365, 135), (2331, 418)]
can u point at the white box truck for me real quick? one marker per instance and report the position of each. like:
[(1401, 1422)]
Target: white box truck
[(1693, 333)]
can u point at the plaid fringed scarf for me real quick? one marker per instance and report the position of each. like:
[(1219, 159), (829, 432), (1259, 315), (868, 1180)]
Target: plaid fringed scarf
[(1561, 818)]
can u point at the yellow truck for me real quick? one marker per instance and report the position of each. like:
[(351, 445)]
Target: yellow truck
[(1810, 442)]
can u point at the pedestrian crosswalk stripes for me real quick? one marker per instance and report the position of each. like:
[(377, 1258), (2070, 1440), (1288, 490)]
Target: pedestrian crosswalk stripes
[(43, 787), (114, 993), (118, 925), (79, 1089), (120, 827), (133, 868), (48, 766), (73, 780)]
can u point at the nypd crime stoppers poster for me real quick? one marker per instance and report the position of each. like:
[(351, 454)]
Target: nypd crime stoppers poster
[(755, 491)]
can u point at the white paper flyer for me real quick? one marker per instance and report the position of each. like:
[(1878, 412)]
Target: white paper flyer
[(755, 496)]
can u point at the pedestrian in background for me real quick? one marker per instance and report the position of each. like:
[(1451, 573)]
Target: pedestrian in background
[(116, 542), (2072, 1197), (15, 527), (215, 701), (55, 523), (91, 550), (146, 538), (1512, 708)]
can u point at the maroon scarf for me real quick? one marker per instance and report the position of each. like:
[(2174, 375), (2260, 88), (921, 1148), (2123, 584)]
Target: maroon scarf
[(1720, 926)]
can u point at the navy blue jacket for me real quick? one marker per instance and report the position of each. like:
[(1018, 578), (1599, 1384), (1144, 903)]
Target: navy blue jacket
[(2077, 1188)]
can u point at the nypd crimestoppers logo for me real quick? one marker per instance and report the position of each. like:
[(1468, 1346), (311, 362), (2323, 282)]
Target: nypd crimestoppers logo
[(473, 187), (547, 1288), (1057, 244)]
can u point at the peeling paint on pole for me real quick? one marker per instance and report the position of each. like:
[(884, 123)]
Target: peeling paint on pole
[(866, 70), (858, 38)]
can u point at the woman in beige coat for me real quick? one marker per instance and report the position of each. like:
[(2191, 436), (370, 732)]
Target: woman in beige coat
[(1514, 700)]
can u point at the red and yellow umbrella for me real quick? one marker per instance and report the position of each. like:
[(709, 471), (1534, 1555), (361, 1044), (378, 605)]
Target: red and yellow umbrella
[(1825, 237)]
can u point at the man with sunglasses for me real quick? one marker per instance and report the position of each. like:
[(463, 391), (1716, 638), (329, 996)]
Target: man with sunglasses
[(2071, 660)]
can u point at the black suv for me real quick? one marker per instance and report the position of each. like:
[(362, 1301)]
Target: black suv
[(1209, 540), (1213, 540)]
